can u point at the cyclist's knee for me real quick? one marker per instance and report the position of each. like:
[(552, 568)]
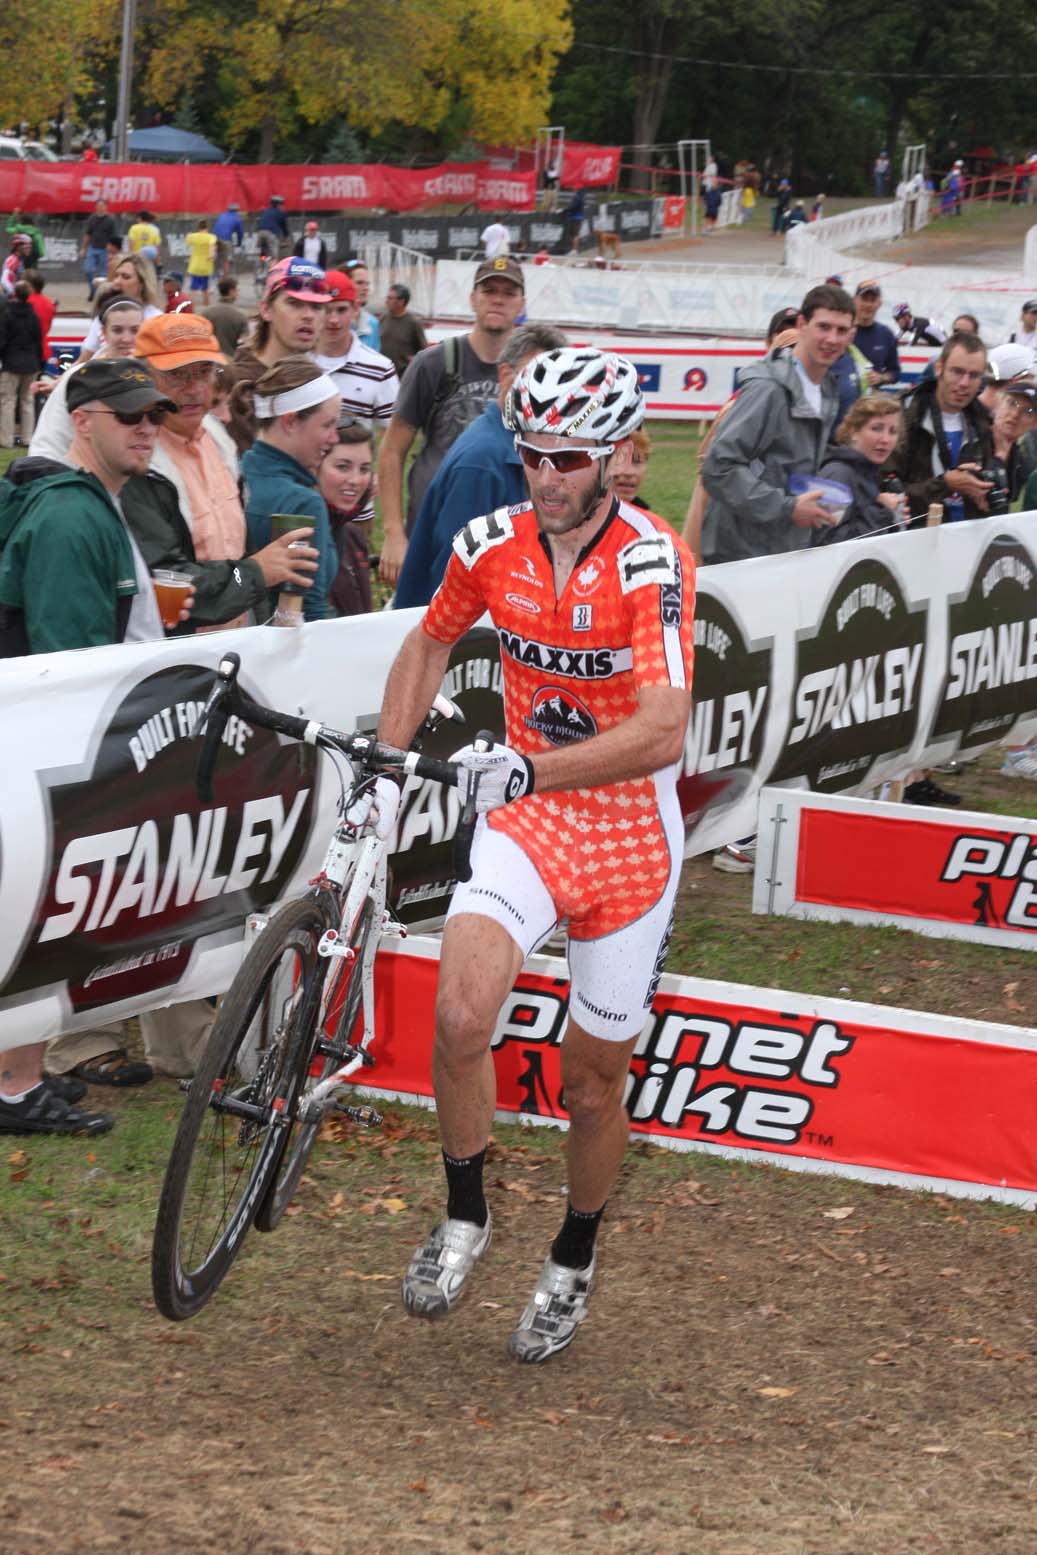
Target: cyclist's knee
[(591, 1098), (464, 1026)]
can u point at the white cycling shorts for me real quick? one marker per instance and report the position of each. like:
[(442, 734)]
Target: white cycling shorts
[(612, 979)]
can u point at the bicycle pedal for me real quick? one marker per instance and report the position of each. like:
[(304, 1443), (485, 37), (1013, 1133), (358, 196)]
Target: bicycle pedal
[(329, 944), (367, 1117)]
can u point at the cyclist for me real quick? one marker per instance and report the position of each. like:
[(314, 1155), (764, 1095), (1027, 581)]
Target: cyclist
[(274, 236), (592, 601)]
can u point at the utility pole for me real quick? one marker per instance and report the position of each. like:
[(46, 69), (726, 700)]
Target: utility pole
[(122, 121)]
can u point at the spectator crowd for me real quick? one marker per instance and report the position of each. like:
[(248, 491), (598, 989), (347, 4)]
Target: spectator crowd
[(188, 423)]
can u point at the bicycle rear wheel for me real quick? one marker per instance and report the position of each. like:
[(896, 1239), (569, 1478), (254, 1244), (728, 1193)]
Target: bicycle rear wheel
[(237, 1117), (312, 1067)]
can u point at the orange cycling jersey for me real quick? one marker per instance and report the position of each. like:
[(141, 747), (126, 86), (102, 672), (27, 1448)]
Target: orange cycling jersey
[(573, 666)]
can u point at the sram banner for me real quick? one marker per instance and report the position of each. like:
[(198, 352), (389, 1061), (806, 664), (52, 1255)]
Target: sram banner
[(859, 1090), (51, 187), (955, 874)]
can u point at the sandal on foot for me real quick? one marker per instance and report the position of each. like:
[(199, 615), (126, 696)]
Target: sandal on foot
[(66, 1086), (44, 1112), (114, 1069)]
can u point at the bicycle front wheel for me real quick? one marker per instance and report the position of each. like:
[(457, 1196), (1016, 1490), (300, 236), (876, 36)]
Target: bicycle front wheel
[(313, 1067), (239, 1110)]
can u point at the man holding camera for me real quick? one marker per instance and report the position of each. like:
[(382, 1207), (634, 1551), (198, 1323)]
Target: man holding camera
[(947, 446)]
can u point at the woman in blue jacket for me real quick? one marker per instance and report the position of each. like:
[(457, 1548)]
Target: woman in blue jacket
[(296, 408)]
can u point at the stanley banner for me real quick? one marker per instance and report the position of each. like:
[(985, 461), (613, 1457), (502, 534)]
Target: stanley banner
[(120, 891)]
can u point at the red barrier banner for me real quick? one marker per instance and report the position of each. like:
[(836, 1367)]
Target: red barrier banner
[(674, 207), (857, 1090), (49, 188), (948, 873), (586, 166)]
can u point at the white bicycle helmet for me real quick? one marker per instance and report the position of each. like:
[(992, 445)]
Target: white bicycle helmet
[(576, 393)]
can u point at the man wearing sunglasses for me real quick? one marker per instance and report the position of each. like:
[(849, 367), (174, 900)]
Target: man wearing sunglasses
[(592, 601), (291, 314)]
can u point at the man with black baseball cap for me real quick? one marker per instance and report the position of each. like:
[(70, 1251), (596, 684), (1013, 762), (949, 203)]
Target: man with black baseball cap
[(445, 388), (876, 341), (71, 576)]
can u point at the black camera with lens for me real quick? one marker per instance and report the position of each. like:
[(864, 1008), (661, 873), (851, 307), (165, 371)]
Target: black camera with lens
[(997, 497)]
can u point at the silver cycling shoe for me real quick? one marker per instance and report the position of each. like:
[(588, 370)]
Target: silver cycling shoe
[(557, 1308), (438, 1271)]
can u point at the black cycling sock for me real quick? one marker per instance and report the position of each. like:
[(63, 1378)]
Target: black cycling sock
[(465, 1200), (574, 1244)]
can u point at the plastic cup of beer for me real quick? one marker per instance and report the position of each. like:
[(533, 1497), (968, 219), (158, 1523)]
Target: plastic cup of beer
[(171, 591), (282, 524)]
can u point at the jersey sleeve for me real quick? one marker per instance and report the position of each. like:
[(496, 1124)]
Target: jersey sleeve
[(461, 597), (657, 577), (456, 605)]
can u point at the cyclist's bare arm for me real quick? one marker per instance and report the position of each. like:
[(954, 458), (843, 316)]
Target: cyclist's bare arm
[(652, 738), (416, 675), (392, 456)]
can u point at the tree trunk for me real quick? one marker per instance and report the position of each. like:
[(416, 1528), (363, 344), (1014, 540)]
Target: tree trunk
[(649, 105), (267, 131)]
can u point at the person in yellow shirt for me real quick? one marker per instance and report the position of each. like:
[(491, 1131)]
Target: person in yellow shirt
[(201, 245), (145, 238)]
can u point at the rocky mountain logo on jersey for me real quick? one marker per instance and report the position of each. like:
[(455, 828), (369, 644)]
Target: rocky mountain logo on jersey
[(991, 676), (559, 716), (139, 869), (579, 663), (732, 691), (858, 683)]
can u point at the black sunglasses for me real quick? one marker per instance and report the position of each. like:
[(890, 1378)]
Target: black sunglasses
[(133, 418)]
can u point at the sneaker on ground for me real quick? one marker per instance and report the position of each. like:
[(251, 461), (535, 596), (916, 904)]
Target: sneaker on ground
[(738, 858), (438, 1271), (557, 1308), (925, 791), (45, 1112)]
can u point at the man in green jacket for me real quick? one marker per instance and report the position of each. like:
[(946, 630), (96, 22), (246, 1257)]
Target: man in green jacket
[(18, 223)]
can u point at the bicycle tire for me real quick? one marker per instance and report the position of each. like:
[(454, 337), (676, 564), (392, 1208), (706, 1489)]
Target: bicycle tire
[(303, 1136), (218, 1151)]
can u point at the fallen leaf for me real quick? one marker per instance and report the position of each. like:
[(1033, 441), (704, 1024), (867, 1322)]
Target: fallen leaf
[(420, 1485), (355, 1274), (935, 1450), (776, 1392), (837, 1214), (394, 1205), (670, 1439), (17, 1158)]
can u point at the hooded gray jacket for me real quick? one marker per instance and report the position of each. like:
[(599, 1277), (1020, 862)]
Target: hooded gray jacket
[(768, 434)]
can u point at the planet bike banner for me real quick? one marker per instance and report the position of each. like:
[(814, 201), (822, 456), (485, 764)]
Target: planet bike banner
[(830, 670), (953, 874), (856, 1090), (49, 188)]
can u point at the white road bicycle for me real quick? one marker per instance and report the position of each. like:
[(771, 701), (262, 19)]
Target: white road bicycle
[(296, 1023)]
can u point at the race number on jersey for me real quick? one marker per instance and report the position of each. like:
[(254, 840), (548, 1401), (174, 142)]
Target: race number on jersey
[(482, 534), (651, 559)]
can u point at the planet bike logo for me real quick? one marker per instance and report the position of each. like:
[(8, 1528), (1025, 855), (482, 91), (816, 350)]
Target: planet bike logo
[(693, 1075), (695, 380), (858, 683), (1003, 870), (588, 577), (560, 717), (139, 869), (991, 675), (729, 714)]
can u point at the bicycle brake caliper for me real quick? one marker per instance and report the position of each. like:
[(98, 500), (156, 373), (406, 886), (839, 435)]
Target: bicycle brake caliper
[(330, 945)]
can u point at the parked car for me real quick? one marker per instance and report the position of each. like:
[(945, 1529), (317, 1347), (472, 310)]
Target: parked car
[(12, 149)]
